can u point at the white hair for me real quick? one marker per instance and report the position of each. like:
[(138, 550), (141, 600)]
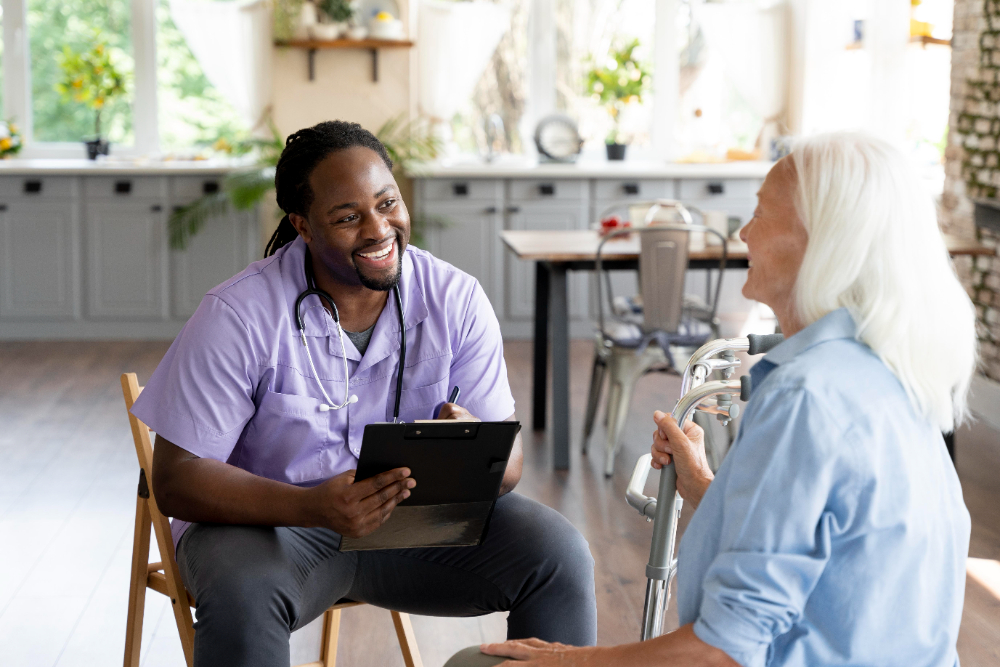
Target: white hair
[(875, 248)]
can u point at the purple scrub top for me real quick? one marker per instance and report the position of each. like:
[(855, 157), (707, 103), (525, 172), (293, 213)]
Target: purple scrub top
[(236, 386)]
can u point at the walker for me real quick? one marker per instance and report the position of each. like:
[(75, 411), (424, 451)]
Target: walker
[(716, 355)]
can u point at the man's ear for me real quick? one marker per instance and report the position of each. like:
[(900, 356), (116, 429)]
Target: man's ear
[(301, 225)]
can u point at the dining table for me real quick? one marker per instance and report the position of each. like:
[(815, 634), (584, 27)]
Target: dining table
[(557, 252)]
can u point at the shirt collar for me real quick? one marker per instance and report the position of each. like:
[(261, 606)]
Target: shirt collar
[(834, 325), (317, 319)]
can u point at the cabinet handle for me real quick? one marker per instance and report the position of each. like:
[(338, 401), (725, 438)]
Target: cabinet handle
[(547, 189), (33, 187), (513, 209), (155, 208), (716, 188), (631, 188), (3, 207), (123, 187), (490, 210), (460, 189), (209, 187)]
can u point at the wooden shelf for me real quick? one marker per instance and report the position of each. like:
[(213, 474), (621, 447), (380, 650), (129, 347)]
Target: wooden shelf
[(372, 45), (927, 39)]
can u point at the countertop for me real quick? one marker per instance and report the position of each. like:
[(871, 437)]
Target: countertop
[(509, 167), (72, 167)]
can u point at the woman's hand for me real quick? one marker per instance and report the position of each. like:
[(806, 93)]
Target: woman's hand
[(538, 653), (687, 449)]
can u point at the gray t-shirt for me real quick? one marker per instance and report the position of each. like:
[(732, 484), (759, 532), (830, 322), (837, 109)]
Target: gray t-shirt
[(361, 338)]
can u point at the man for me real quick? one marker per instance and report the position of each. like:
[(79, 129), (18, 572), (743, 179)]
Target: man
[(258, 436)]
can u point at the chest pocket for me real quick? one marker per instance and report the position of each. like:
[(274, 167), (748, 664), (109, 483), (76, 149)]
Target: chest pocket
[(285, 438), (425, 387)]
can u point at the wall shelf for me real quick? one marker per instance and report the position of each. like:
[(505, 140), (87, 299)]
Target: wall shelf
[(373, 45)]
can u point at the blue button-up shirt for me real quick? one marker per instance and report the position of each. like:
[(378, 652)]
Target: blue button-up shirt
[(834, 532)]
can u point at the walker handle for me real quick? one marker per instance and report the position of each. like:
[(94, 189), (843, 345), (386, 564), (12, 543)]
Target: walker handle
[(634, 493), (761, 343)]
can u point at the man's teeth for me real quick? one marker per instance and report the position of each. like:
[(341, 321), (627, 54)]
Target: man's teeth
[(378, 254)]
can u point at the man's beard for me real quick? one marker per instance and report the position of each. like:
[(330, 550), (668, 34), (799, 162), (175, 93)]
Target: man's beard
[(383, 284)]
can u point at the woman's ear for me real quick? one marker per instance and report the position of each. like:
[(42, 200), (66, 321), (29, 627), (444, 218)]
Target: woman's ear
[(301, 225)]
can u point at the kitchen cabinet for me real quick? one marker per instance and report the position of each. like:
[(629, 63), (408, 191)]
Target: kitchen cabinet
[(85, 255), (126, 253), (474, 208), (39, 259)]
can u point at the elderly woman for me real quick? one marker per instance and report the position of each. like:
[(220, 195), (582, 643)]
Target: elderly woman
[(834, 533)]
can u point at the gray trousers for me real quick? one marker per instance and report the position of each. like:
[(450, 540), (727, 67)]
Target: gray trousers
[(255, 585)]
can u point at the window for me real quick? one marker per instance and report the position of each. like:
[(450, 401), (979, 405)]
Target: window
[(586, 34), (191, 111), (77, 25), (169, 104)]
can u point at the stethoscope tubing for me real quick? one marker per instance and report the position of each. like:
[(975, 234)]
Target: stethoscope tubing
[(312, 290)]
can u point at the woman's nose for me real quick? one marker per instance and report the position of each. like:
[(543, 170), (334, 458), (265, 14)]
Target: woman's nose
[(743, 231)]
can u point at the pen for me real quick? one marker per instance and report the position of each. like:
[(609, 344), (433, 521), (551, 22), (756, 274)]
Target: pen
[(455, 393)]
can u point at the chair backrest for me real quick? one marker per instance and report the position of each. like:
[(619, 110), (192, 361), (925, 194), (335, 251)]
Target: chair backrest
[(663, 261)]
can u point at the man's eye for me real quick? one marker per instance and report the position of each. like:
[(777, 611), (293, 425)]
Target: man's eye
[(350, 218), (388, 203)]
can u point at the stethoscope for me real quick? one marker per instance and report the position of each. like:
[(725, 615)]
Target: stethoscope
[(348, 399)]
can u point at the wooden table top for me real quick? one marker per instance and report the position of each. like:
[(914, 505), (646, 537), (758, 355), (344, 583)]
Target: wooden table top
[(581, 246)]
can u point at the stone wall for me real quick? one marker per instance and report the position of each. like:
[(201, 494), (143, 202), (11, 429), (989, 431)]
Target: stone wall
[(972, 158)]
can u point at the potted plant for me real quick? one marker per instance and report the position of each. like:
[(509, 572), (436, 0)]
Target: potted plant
[(621, 80), (338, 13), (90, 77)]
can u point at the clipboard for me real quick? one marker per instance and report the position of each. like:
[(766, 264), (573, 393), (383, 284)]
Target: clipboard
[(458, 466)]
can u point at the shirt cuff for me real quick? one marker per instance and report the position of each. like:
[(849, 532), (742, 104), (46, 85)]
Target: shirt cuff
[(721, 629), (495, 408)]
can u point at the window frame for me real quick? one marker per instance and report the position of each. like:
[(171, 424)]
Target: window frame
[(17, 84)]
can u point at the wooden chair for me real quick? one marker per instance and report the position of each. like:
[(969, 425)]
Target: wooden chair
[(164, 577)]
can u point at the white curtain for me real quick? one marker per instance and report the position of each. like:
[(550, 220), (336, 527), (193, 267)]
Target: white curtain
[(455, 41), (232, 42), (752, 38)]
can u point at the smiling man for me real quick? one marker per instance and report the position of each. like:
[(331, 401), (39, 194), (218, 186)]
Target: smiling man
[(259, 431)]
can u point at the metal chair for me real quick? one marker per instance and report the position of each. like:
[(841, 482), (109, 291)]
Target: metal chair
[(635, 340), (164, 577)]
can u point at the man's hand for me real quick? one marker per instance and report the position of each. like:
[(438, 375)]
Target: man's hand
[(453, 411), (355, 509), (538, 653), (687, 449)]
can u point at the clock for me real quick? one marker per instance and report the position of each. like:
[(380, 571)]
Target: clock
[(557, 138)]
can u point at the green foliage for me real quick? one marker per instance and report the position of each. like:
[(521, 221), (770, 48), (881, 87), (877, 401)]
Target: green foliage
[(337, 10), (55, 24), (407, 143), (91, 78), (620, 80)]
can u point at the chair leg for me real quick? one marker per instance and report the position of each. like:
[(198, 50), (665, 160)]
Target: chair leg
[(614, 433), (137, 583), (407, 640), (612, 411), (593, 396), (331, 634)]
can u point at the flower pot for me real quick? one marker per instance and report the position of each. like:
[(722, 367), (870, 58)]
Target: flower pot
[(616, 151), (96, 147)]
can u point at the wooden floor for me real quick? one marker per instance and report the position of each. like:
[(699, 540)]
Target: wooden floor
[(68, 478)]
